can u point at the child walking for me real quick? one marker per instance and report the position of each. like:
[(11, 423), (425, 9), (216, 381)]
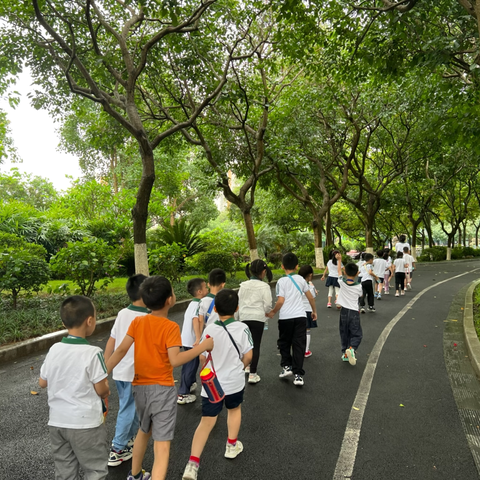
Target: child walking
[(399, 266), (77, 432), (292, 321), (127, 420), (379, 267), (307, 273), (191, 335), (388, 271), (350, 328), (332, 278), (368, 277), (206, 313), (255, 301), (231, 354), (409, 270), (157, 352)]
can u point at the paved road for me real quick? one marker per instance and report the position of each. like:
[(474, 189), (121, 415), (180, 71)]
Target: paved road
[(411, 426)]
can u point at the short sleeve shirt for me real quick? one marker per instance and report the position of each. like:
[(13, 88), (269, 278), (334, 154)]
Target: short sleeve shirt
[(153, 337), (306, 303), (349, 294), (188, 334), (367, 269), (287, 288), (399, 265), (71, 368), (379, 267), (333, 269), (211, 317)]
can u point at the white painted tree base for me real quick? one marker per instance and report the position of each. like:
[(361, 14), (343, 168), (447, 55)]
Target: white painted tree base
[(253, 254), (141, 258), (449, 253), (369, 250), (319, 262)]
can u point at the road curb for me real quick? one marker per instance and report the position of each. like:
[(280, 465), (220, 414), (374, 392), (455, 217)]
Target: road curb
[(471, 337), (12, 352)]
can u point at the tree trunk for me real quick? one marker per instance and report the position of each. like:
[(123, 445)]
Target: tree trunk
[(449, 253), (140, 213), (414, 240), (252, 241), (465, 235), (369, 235), (459, 237), (317, 234), (476, 235), (328, 230), (113, 169)]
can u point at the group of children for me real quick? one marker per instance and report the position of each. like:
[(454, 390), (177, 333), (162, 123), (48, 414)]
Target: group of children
[(220, 326)]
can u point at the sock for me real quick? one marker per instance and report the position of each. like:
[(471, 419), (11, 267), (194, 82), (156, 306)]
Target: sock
[(232, 442), (138, 476), (308, 342), (194, 460)]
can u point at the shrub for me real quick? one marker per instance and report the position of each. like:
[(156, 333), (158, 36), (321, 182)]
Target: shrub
[(275, 259), (207, 261), (168, 261), (434, 254), (306, 254), (86, 263)]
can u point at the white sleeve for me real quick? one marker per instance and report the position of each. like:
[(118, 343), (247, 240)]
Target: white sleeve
[(280, 290), (44, 369), (246, 343), (113, 333), (267, 300), (97, 370)]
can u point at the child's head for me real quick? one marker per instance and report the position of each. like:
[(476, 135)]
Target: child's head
[(380, 253), (405, 249), (256, 269), (368, 258), (399, 254), (133, 287), (217, 277), (386, 254), (290, 261), (226, 302), (306, 271), (197, 287), (333, 256), (155, 292), (402, 238), (351, 269), (76, 310)]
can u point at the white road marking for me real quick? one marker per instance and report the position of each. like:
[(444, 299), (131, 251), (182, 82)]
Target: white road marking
[(348, 452)]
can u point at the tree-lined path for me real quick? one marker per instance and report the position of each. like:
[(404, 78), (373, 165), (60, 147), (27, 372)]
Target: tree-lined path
[(411, 426)]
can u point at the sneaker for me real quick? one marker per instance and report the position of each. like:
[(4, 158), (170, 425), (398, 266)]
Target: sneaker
[(379, 296), (145, 476), (247, 369), (371, 309), (345, 358), (183, 399), (117, 458), (231, 451), (191, 471), (193, 387), (375, 295), (254, 378), (362, 310), (397, 294), (386, 293), (409, 287), (286, 372), (308, 354), (403, 293), (131, 442), (298, 381), (329, 305), (351, 356)]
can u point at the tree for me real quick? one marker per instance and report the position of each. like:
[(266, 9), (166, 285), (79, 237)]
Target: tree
[(118, 55)]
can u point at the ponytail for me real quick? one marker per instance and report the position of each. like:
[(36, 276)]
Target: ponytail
[(256, 268)]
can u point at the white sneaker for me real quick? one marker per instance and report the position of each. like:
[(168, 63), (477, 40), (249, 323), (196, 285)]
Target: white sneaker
[(254, 378), (247, 369), (409, 287), (191, 471), (117, 458), (231, 451), (286, 372), (351, 356), (298, 381), (193, 387), (362, 310), (183, 399)]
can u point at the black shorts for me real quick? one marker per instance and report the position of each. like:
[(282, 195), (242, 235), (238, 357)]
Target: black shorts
[(380, 280), (210, 409), (311, 323)]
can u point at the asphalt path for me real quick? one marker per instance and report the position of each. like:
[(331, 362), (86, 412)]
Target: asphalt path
[(411, 425)]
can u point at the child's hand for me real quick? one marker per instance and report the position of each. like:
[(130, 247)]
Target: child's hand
[(338, 256), (339, 307), (314, 316), (323, 278), (270, 314), (207, 344)]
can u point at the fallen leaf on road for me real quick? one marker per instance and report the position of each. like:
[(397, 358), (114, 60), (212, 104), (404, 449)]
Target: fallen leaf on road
[(355, 408), (461, 308), (425, 346), (402, 405), (454, 344), (33, 392)]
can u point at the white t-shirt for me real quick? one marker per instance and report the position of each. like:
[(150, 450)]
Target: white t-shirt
[(366, 269), (360, 264), (399, 265), (254, 300), (389, 263), (333, 269), (306, 303), (203, 310), (71, 368), (228, 365), (349, 294), (400, 246), (407, 258), (125, 369), (188, 333), (379, 267), (293, 306)]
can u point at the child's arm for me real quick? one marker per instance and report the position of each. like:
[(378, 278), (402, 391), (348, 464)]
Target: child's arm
[(197, 328), (102, 388), (325, 272), (203, 361), (109, 349), (119, 353), (247, 358), (43, 383), (311, 300), (339, 265), (177, 358), (277, 307)]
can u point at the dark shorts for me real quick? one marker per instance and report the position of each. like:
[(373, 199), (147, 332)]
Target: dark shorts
[(332, 282), (380, 280), (311, 323), (411, 274), (210, 409)]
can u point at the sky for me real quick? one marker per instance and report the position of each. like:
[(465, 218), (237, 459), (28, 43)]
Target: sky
[(35, 137)]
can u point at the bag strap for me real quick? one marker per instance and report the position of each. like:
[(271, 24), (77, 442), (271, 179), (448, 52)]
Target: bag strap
[(295, 283), (231, 338), (209, 311)]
